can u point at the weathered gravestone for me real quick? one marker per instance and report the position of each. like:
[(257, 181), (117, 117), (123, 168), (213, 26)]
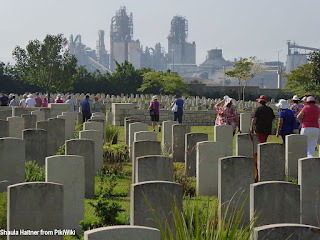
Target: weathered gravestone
[(97, 137), (98, 126), (178, 141), (41, 115), (84, 148), (208, 154), (34, 206), (235, 176), (167, 135), (68, 170), (30, 121), (143, 148), (101, 121), (123, 233), (127, 121), (160, 195), (296, 148), (191, 140), (275, 202), (145, 135), (16, 126), (69, 125), (135, 127), (55, 128), (4, 128), (12, 162), (271, 162), (286, 231), (154, 168), (224, 134), (245, 122), (5, 112), (36, 145), (245, 145), (309, 181)]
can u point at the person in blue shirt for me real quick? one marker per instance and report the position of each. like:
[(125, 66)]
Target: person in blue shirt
[(287, 123), (177, 115), (85, 107)]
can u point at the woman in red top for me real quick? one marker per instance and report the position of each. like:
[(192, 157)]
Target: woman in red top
[(310, 124), (227, 115), (59, 99)]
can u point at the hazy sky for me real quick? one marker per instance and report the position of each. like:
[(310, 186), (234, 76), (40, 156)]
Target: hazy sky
[(242, 28)]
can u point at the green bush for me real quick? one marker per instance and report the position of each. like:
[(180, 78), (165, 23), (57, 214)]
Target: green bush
[(112, 133), (34, 173), (187, 182), (3, 210), (115, 153)]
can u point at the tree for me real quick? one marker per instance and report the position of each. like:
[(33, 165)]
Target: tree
[(166, 83), (298, 81), (126, 79), (47, 64), (305, 78), (314, 83), (244, 70)]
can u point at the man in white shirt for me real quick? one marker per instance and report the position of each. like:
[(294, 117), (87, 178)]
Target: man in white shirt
[(30, 102)]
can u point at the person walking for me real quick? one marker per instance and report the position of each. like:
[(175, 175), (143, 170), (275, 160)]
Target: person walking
[(71, 102), (287, 122), (85, 108), (14, 102), (155, 112), (227, 114), (44, 102), (23, 100), (4, 100), (30, 102), (262, 119), (38, 100), (97, 105), (310, 123), (177, 108), (296, 108)]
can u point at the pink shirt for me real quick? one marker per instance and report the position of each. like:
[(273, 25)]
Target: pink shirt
[(310, 116)]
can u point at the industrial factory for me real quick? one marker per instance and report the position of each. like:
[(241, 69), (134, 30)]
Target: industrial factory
[(181, 55)]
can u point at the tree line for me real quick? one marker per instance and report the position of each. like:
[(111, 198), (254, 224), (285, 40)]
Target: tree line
[(48, 67)]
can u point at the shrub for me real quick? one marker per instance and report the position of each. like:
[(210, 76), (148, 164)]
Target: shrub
[(112, 133), (3, 210), (108, 181), (34, 173), (179, 177), (107, 211), (115, 153)]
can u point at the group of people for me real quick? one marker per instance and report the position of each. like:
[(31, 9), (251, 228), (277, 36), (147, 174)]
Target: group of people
[(177, 109), (301, 117), (88, 107)]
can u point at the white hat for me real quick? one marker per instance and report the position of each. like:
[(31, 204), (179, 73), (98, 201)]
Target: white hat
[(282, 104), (155, 97), (296, 98), (30, 96), (227, 100)]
